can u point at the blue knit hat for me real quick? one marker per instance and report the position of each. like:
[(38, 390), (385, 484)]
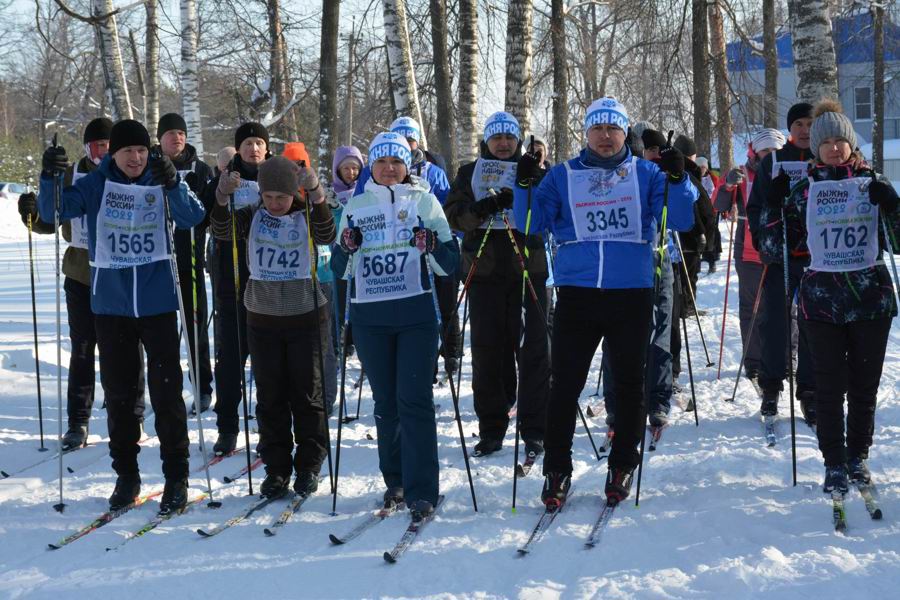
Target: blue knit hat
[(407, 127), (606, 111), (390, 144), (501, 123)]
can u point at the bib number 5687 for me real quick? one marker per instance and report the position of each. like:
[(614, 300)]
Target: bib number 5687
[(387, 264), (601, 220)]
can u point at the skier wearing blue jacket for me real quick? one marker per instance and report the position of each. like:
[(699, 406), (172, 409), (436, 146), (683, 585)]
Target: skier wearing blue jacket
[(604, 208), (386, 234), (127, 201)]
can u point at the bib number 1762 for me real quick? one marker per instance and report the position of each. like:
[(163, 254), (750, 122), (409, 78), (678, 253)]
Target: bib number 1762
[(846, 237)]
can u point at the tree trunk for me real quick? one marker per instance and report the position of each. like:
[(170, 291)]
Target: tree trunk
[(139, 72), (878, 92), (190, 78), (403, 77), (113, 67), (720, 77), (770, 53), (278, 80), (560, 80), (700, 59), (351, 56), (467, 127), (152, 64), (328, 86), (442, 83), (813, 48), (518, 61), (607, 61)]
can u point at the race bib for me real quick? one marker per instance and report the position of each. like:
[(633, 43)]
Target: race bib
[(841, 225), (708, 185), (131, 227), (795, 169), (387, 266), (79, 224), (496, 175), (277, 247), (247, 194), (606, 203)]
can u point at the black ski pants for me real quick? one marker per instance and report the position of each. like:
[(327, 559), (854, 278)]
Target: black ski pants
[(495, 313), (847, 360), (584, 317), (749, 279), (290, 410), (773, 333), (231, 321), (119, 340)]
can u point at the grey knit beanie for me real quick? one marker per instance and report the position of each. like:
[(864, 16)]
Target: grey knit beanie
[(830, 122), (278, 174)]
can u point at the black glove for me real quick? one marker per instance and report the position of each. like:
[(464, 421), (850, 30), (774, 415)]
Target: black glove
[(671, 160), (424, 239), (780, 189), (163, 172), (528, 170), (881, 194), (28, 205), (492, 204), (351, 239), (54, 161)]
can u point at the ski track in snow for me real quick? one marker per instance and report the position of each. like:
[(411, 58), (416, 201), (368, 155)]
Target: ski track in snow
[(718, 515)]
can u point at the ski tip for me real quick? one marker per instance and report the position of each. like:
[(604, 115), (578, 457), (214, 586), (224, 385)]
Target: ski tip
[(269, 532), (53, 547), (335, 539), (227, 479), (214, 504), (522, 552), (203, 533), (389, 558), (4, 474)]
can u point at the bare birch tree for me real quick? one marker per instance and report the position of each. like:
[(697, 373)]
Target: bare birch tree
[(111, 56), (442, 83), (700, 61), (518, 61), (467, 128), (403, 77), (813, 48), (720, 79), (151, 63), (190, 78), (770, 55), (878, 84), (328, 86), (560, 79)]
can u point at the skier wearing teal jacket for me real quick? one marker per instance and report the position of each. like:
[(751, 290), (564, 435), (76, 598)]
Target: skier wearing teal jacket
[(128, 201), (604, 208), (386, 235)]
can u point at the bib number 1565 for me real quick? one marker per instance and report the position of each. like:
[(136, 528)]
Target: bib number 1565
[(134, 243)]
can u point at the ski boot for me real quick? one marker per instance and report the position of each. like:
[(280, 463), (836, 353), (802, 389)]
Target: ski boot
[(769, 406), (618, 484), (274, 485), (306, 483), (225, 444), (128, 488), (535, 447), (836, 479), (421, 510), (859, 471), (556, 490), (487, 446), (393, 497), (807, 400), (174, 497), (76, 437)]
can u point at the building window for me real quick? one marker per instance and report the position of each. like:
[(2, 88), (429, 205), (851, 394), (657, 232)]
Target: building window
[(755, 112), (862, 99)]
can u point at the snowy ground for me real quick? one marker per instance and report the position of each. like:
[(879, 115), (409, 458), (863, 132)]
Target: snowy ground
[(718, 518)]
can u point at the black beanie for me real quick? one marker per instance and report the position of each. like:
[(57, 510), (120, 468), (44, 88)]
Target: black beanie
[(651, 138), (168, 122), (801, 110), (128, 132), (686, 145), (98, 129), (251, 129)]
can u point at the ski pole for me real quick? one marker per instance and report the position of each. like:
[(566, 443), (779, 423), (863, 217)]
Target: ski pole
[(596, 394), (192, 364), (37, 362), (437, 311), (690, 287), (891, 244), (362, 381), (753, 315), (343, 393), (471, 273), (57, 202), (648, 356), (314, 268), (787, 337), (727, 280), (462, 345), (240, 347), (687, 349)]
